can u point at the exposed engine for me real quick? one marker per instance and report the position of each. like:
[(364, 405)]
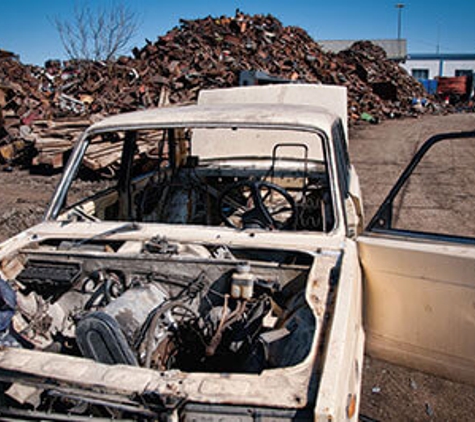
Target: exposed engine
[(189, 307)]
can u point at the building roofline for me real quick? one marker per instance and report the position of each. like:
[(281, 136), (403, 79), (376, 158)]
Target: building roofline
[(440, 56)]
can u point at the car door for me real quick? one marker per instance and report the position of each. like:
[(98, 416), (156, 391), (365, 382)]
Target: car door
[(418, 258)]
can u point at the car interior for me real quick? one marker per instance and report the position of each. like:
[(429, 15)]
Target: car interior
[(284, 189)]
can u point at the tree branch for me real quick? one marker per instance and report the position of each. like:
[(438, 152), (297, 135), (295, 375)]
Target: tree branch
[(97, 33)]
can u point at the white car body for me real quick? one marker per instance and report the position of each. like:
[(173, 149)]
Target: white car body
[(236, 137)]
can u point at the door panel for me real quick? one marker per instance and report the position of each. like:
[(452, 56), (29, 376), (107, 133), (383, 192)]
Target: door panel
[(420, 304), (418, 257)]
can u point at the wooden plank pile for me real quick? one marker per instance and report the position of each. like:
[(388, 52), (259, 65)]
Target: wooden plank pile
[(104, 154), (54, 139)]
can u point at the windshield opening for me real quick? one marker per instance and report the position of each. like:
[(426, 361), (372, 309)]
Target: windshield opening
[(243, 178)]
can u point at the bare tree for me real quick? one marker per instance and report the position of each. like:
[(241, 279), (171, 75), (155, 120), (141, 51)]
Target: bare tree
[(97, 34)]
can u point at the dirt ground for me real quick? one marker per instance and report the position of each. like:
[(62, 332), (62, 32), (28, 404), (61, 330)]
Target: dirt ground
[(379, 153)]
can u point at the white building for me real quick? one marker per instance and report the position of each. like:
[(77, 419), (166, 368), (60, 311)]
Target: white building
[(430, 66)]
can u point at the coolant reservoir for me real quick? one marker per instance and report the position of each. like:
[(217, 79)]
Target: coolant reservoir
[(242, 283)]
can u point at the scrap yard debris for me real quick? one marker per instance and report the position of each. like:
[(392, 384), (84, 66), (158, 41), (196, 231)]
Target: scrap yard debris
[(197, 54)]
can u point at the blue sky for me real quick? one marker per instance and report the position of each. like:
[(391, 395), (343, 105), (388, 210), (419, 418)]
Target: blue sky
[(26, 28)]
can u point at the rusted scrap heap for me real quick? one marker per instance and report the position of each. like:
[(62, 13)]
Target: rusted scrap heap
[(197, 54), (377, 85), (211, 53), (20, 103)]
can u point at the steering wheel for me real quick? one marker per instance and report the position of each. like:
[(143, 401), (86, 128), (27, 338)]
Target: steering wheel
[(257, 204)]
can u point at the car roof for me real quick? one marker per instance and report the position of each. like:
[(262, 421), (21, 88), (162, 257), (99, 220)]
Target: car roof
[(249, 115)]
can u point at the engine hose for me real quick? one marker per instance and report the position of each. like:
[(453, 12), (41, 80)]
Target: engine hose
[(105, 292)]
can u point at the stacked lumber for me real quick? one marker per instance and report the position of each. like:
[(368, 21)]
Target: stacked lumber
[(54, 140), (103, 156)]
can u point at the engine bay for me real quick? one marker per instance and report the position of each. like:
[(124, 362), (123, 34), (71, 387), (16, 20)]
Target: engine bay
[(163, 305)]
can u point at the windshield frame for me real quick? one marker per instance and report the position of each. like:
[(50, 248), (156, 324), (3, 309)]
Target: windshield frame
[(72, 168)]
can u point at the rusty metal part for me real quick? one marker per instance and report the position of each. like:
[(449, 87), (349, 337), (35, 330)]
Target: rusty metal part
[(225, 322)]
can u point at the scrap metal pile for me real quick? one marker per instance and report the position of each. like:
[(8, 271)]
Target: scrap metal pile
[(198, 54)]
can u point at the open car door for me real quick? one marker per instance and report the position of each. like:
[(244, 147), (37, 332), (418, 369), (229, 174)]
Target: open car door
[(418, 257)]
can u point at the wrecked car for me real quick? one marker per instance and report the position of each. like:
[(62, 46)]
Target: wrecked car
[(217, 276)]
